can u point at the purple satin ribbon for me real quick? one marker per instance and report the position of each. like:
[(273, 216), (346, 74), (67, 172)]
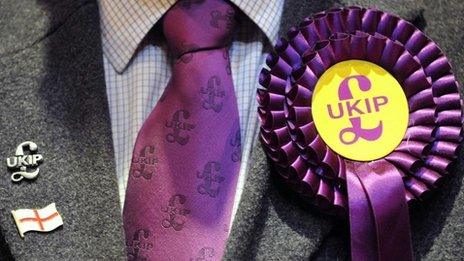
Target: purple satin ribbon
[(375, 194), (376, 208)]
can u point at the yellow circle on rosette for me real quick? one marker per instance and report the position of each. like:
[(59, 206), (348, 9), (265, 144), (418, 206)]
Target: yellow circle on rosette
[(360, 110)]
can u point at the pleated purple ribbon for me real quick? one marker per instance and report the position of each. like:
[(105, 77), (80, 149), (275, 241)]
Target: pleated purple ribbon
[(375, 195)]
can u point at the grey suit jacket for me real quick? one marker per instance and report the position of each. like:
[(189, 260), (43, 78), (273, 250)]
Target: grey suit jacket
[(52, 91)]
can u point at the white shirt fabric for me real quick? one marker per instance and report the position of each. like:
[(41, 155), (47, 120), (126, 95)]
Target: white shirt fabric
[(138, 67)]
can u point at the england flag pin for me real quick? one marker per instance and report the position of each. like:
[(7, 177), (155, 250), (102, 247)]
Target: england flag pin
[(42, 220)]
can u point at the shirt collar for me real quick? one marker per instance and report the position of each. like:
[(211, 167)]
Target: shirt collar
[(124, 23)]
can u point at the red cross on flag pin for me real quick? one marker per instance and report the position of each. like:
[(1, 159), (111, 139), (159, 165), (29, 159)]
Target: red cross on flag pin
[(43, 220)]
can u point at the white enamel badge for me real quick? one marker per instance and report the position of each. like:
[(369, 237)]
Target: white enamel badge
[(42, 220)]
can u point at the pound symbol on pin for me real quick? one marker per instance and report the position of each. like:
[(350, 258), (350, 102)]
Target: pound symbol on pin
[(22, 162)]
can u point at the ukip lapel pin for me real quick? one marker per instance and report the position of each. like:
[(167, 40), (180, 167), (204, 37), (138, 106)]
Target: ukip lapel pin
[(42, 220), (20, 161)]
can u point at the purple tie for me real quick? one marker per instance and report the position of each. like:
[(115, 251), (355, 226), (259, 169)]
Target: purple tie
[(184, 166)]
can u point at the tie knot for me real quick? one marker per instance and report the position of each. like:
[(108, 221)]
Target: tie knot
[(192, 25)]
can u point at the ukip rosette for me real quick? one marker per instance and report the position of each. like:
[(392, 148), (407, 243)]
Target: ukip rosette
[(361, 114)]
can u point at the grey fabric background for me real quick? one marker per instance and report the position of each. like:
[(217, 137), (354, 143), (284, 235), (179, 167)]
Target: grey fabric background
[(52, 92)]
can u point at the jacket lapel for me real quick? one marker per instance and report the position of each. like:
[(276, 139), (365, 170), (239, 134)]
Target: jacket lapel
[(270, 222), (53, 93)]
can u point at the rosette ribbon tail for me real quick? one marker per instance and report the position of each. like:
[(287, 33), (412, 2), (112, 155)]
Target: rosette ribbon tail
[(378, 212)]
